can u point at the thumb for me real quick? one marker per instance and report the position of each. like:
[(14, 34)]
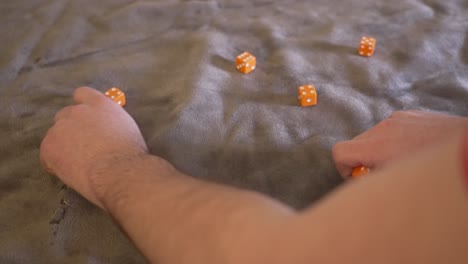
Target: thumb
[(87, 95)]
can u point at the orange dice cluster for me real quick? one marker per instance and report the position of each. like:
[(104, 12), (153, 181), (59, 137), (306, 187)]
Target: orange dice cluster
[(116, 95), (307, 95), (246, 62), (367, 46), (360, 171)]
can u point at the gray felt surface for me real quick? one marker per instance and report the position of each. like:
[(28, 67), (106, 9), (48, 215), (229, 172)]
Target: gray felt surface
[(174, 59)]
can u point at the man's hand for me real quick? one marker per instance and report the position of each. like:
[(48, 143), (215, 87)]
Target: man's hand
[(402, 133), (91, 135)]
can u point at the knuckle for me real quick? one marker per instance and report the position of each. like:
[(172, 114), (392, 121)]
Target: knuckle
[(396, 114), (337, 150), (101, 100), (82, 93), (82, 89), (404, 113), (78, 91), (57, 115), (78, 110), (61, 113), (46, 146), (384, 124)]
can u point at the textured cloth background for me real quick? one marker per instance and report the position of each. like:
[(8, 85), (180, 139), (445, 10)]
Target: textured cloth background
[(174, 60)]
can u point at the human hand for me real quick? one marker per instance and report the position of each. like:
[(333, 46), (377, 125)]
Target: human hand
[(400, 134), (89, 136)]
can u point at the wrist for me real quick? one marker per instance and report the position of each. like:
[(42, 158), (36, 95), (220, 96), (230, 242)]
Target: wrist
[(115, 182)]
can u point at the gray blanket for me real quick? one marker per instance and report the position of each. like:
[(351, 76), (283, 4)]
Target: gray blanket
[(174, 59)]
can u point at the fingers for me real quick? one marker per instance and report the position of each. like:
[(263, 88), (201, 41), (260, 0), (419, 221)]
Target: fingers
[(63, 113), (354, 153), (43, 152), (345, 157), (384, 127), (405, 114), (72, 110), (81, 96), (47, 150), (86, 95), (400, 114)]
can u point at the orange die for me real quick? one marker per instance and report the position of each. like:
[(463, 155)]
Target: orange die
[(246, 62), (116, 95), (367, 46), (307, 95), (360, 171)]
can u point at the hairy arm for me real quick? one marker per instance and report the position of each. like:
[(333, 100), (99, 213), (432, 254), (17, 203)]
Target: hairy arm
[(174, 218), (413, 211)]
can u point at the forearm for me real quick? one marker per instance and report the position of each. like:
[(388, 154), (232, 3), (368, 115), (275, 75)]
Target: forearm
[(401, 213), (413, 211), (174, 218)]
